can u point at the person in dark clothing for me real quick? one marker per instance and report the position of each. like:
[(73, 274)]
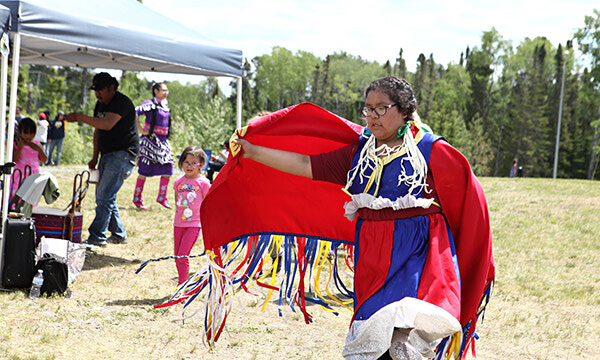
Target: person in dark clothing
[(216, 163), (56, 136), (117, 140)]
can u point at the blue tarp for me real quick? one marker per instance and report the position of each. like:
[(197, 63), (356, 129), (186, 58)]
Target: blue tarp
[(115, 34), (4, 19)]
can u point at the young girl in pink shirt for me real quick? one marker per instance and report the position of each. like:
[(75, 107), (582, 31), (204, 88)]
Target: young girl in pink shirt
[(27, 151), (190, 190)]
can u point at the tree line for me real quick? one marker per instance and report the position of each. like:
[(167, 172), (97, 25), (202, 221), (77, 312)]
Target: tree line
[(496, 103)]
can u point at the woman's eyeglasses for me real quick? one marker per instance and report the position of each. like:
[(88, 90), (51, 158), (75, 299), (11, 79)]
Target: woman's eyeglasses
[(379, 110)]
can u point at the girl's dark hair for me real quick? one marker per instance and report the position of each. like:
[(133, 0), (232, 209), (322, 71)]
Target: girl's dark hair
[(157, 86), (194, 151), (399, 91), (27, 125)]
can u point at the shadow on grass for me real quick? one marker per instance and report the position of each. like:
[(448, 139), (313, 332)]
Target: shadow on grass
[(98, 261), (144, 302)]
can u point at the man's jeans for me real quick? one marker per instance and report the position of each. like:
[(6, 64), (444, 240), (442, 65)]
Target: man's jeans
[(114, 168), (58, 144)]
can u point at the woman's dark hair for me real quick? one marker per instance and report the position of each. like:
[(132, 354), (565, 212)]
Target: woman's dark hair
[(399, 91), (27, 125), (194, 151), (157, 86)]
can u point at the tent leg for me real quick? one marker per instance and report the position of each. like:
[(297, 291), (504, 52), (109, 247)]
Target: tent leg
[(239, 103), (16, 50), (3, 98)]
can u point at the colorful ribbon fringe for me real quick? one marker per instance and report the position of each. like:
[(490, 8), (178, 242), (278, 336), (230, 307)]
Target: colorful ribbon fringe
[(288, 264)]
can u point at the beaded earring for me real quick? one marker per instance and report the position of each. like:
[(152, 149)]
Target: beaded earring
[(366, 131), (403, 129)]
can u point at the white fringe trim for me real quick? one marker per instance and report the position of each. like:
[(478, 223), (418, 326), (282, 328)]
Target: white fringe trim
[(367, 161), (377, 203)]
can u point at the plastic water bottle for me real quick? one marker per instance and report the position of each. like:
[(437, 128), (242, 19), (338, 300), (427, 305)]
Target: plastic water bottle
[(36, 285)]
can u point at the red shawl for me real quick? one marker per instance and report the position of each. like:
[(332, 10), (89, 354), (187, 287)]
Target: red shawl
[(249, 198)]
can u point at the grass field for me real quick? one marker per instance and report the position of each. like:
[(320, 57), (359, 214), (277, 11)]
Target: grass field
[(545, 304)]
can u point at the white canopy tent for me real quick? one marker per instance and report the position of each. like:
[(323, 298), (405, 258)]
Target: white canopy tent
[(112, 34)]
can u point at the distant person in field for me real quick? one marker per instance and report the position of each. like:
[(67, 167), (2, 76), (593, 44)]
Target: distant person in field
[(513, 168), (18, 115), (155, 151), (56, 137), (41, 131), (216, 164), (117, 142), (190, 190)]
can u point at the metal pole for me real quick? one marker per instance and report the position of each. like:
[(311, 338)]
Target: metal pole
[(3, 98), (239, 103), (10, 136), (560, 106)]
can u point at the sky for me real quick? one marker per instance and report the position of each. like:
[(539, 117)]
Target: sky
[(375, 30)]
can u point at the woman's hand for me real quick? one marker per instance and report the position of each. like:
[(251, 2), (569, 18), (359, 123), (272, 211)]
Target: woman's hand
[(247, 148)]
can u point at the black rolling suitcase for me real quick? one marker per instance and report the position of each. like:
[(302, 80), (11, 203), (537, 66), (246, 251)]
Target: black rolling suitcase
[(19, 253)]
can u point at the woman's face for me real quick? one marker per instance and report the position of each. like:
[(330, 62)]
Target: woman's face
[(384, 128), (161, 92)]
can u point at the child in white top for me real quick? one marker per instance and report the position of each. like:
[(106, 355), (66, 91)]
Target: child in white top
[(190, 190)]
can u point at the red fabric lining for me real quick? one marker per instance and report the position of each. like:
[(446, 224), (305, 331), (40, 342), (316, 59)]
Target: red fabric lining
[(463, 203), (247, 197)]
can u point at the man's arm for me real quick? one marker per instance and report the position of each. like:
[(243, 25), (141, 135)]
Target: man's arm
[(106, 123), (92, 163)]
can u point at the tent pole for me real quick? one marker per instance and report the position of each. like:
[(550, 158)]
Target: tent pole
[(14, 84), (10, 137), (3, 98), (239, 103)]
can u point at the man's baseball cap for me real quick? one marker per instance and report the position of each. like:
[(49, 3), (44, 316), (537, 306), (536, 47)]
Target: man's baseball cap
[(102, 80)]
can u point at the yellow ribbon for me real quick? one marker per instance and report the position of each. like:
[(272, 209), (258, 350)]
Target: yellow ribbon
[(234, 147)]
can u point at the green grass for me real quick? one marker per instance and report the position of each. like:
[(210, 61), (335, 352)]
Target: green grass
[(545, 303)]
